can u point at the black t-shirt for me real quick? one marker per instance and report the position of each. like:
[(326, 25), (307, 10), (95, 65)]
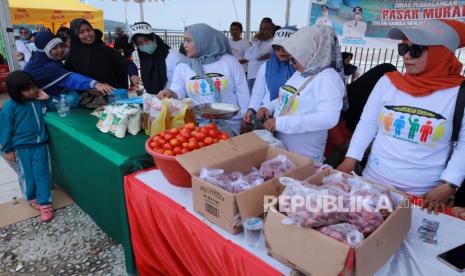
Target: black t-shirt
[(122, 43)]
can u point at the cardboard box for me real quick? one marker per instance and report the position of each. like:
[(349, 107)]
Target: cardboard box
[(314, 253), (239, 153)]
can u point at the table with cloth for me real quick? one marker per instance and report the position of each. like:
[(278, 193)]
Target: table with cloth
[(90, 167), (169, 238)]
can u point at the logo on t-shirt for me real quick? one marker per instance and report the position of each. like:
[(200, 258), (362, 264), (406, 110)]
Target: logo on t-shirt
[(412, 124), (285, 96), (214, 83)]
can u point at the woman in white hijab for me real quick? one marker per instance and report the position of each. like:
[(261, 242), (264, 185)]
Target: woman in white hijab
[(311, 100)]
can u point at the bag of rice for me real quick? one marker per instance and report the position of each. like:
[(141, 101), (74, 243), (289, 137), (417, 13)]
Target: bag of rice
[(176, 113), (106, 119)]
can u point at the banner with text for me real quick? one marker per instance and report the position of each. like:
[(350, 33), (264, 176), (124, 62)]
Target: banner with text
[(366, 23)]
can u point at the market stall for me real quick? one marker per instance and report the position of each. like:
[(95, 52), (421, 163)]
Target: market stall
[(53, 14), (90, 166), (170, 238)]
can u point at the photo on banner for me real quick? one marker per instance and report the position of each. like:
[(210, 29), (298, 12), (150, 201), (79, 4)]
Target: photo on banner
[(366, 23), (3, 65)]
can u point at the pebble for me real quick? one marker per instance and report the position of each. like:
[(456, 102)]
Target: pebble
[(93, 269), (43, 269), (54, 266)]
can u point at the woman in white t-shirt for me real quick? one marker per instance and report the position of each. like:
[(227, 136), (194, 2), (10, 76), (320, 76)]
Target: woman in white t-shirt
[(409, 117), (311, 100), (157, 60), (210, 74)]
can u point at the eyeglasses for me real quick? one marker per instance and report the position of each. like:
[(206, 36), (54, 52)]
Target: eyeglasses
[(414, 49)]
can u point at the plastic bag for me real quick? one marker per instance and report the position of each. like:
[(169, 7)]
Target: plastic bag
[(268, 137), (158, 114), (134, 123), (338, 181), (254, 178), (176, 113), (120, 122), (234, 182), (276, 167), (106, 119), (343, 232)]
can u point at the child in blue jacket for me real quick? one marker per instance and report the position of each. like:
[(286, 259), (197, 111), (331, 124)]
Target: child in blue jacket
[(23, 139)]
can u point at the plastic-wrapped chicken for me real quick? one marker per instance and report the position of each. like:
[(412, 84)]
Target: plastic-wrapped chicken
[(276, 167), (343, 232)]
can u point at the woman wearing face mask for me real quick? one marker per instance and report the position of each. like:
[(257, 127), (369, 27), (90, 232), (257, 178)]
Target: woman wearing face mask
[(311, 100), (93, 59), (271, 76), (210, 74), (409, 117), (157, 60), (46, 68)]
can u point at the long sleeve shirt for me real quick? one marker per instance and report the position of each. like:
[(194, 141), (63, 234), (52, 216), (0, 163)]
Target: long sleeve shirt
[(258, 49), (260, 93), (412, 138)]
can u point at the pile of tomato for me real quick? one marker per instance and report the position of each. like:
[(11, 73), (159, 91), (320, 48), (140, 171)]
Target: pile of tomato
[(178, 141)]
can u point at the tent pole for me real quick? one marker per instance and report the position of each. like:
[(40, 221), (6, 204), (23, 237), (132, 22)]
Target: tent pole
[(6, 28), (288, 11), (247, 19), (141, 8)]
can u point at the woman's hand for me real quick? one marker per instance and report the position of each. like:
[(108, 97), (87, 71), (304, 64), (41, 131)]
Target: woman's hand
[(248, 116), (459, 212), (105, 89), (436, 199), (135, 80), (167, 93), (270, 124), (10, 157), (263, 114), (348, 165)]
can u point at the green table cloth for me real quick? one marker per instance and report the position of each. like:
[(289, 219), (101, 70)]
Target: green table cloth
[(90, 167)]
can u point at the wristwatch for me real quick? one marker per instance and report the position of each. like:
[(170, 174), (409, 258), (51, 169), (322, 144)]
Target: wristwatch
[(452, 185)]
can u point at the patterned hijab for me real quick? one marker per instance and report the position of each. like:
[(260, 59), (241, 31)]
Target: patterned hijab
[(316, 48)]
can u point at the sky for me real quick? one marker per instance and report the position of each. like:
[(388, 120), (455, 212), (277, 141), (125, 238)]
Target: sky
[(175, 14)]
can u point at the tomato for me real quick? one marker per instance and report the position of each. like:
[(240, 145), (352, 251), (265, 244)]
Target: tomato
[(174, 131), (213, 133), (174, 143), (156, 138), (177, 150), (153, 144), (185, 150), (216, 140), (161, 142), (212, 126), (204, 130), (193, 139), (190, 126), (158, 150), (193, 145), (167, 147), (224, 135), (202, 144), (168, 152), (201, 136), (185, 145), (181, 138), (186, 134), (208, 141), (167, 136), (194, 133)]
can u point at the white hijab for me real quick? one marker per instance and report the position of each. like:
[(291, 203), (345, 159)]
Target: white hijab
[(316, 48)]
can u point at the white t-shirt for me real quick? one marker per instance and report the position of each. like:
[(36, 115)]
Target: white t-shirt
[(316, 109), (25, 48), (412, 138), (172, 59), (260, 93), (259, 48), (239, 48), (323, 21), (226, 75)]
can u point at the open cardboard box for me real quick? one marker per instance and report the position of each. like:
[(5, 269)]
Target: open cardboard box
[(314, 253), (239, 153)]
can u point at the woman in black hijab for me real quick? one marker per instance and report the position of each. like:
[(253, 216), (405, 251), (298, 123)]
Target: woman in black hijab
[(91, 58), (157, 60)]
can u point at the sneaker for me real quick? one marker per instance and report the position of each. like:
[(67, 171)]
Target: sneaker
[(46, 212), (34, 204)]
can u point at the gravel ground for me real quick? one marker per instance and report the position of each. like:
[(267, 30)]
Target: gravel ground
[(71, 244)]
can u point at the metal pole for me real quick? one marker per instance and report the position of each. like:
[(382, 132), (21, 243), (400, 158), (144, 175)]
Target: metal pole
[(247, 19), (309, 12), (141, 8), (288, 11), (6, 28)]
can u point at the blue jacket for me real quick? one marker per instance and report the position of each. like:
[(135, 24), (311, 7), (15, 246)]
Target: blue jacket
[(22, 125), (71, 81)]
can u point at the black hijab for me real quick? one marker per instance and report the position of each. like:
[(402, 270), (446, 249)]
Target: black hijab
[(153, 67), (359, 90), (96, 60)]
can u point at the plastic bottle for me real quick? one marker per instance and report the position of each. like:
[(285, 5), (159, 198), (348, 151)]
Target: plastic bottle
[(63, 107)]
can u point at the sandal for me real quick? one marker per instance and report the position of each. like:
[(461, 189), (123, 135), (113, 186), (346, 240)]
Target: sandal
[(34, 204), (46, 212)]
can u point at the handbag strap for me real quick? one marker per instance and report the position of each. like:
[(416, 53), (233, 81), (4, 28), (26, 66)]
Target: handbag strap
[(458, 113)]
